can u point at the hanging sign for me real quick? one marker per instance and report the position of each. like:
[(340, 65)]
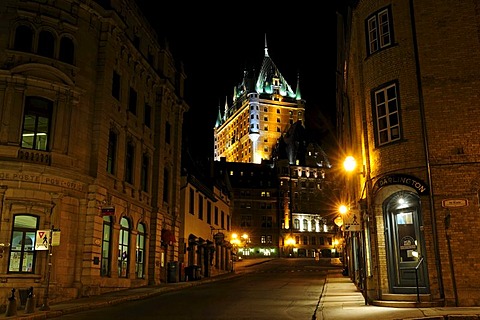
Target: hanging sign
[(42, 240)]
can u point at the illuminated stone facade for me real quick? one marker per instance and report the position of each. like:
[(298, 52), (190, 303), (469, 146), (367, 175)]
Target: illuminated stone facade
[(263, 107), (91, 111)]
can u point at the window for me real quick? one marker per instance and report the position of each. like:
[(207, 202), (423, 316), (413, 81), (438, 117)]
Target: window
[(269, 238), (36, 123), (147, 116), (191, 204), (167, 132), (116, 85), (305, 239), (296, 224), (263, 239), (129, 161), (267, 221), (140, 252), (145, 172), (215, 218), (313, 240), (246, 221), (222, 220), (209, 212), (132, 101), (22, 250), (200, 207), (166, 179), (379, 31), (305, 224), (123, 249), (112, 152), (106, 247), (386, 114), (23, 39), (67, 50), (46, 44)]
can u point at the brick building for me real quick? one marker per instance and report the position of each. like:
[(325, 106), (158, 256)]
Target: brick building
[(407, 111)]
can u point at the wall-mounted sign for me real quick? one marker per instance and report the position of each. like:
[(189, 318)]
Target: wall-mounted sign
[(402, 179), (42, 240), (454, 203), (108, 211)]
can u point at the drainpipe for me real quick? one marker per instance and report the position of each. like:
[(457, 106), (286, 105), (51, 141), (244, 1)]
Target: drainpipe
[(427, 154)]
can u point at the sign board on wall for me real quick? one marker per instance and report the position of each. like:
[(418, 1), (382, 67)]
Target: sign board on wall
[(454, 203)]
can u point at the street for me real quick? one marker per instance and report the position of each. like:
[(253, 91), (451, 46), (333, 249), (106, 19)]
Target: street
[(278, 289)]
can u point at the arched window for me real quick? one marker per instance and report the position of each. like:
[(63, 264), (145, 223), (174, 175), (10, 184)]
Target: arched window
[(296, 224), (305, 225), (140, 252), (106, 247), (23, 39), (123, 249), (314, 225), (67, 50), (46, 44), (22, 250)]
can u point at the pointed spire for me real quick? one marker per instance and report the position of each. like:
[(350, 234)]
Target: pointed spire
[(226, 109), (219, 116), (266, 47), (298, 95)]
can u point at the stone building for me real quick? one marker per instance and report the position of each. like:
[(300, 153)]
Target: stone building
[(408, 112), (263, 106), (277, 174), (91, 112)]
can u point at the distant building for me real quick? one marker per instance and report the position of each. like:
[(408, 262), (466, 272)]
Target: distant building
[(279, 176), (263, 106)]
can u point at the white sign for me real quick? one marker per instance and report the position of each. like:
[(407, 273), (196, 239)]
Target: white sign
[(42, 240), (351, 221), (454, 203)]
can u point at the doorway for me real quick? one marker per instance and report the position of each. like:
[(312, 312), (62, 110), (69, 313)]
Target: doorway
[(406, 261)]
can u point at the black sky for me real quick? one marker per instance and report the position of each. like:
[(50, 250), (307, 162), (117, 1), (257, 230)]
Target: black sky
[(216, 46)]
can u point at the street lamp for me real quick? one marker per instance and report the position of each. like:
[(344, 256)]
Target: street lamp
[(289, 243)]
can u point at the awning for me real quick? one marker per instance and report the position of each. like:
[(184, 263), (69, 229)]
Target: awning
[(168, 236)]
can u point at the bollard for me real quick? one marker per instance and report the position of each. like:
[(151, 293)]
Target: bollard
[(30, 305), (12, 305)]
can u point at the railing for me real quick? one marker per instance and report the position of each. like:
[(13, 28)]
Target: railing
[(416, 276)]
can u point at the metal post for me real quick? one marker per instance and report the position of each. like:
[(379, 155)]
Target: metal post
[(45, 305)]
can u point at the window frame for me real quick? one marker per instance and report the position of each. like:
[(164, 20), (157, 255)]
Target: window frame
[(379, 31), (386, 115), (23, 252)]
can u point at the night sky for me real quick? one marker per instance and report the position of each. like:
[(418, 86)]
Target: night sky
[(217, 45)]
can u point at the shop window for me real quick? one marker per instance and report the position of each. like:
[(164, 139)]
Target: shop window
[(106, 247), (22, 250), (123, 248)]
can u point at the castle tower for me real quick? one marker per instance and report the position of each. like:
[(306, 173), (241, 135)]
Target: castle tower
[(263, 107)]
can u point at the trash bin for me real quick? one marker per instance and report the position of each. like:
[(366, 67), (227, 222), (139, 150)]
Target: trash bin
[(172, 271), (198, 272)]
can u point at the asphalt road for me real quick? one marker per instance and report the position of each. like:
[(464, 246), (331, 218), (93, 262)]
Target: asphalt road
[(279, 289)]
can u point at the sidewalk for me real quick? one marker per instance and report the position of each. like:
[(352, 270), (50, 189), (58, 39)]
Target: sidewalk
[(340, 300)]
